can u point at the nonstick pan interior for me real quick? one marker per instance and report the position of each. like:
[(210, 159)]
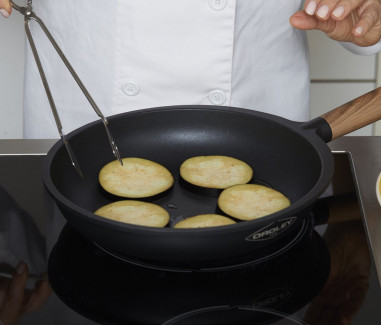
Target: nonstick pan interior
[(283, 155), (278, 154)]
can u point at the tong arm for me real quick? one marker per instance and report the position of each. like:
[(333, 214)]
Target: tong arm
[(29, 14)]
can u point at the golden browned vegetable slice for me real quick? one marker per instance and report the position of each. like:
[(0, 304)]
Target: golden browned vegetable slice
[(136, 213), (217, 172), (205, 220), (251, 201), (137, 178)]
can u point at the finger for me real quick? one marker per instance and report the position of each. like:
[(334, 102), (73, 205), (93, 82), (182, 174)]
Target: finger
[(310, 7), (324, 9), (5, 8), (303, 21), (15, 295), (369, 17), (17, 286), (343, 8), (38, 296)]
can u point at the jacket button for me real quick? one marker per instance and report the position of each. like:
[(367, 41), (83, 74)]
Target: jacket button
[(218, 4), (217, 97), (130, 88)]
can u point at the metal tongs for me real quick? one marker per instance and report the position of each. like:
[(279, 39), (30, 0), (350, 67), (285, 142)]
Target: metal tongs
[(28, 15)]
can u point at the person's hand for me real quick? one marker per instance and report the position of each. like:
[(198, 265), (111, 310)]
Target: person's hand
[(16, 300), (356, 21), (5, 8)]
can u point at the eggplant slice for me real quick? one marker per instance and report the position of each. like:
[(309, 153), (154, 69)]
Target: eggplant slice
[(205, 220), (218, 172), (136, 213), (137, 178), (251, 201)]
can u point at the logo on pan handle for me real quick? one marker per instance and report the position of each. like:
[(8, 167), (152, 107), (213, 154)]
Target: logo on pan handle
[(272, 230)]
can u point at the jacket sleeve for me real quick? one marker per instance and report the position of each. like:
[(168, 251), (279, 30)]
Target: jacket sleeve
[(362, 50)]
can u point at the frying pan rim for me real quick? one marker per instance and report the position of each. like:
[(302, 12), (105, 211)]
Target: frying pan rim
[(310, 135)]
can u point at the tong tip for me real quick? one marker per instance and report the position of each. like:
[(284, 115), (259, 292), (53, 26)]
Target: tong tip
[(111, 140), (115, 150), (78, 169), (72, 156)]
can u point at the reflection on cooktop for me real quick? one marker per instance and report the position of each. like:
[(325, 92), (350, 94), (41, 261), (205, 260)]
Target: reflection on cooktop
[(325, 277), (105, 288)]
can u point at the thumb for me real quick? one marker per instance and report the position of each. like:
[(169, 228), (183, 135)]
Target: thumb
[(5, 8), (301, 20)]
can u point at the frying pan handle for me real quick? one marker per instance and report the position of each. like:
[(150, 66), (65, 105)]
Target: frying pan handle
[(355, 114)]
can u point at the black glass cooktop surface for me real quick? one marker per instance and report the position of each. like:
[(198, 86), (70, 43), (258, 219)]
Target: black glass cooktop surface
[(324, 275)]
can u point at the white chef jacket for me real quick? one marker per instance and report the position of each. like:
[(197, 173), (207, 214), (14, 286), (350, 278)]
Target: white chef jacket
[(135, 54)]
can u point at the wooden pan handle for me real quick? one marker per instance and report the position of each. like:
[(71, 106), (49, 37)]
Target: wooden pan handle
[(355, 114)]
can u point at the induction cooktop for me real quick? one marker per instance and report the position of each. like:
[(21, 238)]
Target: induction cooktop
[(326, 277)]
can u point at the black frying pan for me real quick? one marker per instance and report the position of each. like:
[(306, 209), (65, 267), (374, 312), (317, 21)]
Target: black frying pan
[(289, 156)]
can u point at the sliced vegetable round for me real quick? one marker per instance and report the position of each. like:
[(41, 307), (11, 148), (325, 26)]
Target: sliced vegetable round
[(251, 201), (204, 220), (137, 178), (136, 213), (217, 172)]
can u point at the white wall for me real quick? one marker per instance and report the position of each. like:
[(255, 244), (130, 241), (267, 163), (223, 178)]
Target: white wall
[(338, 76), (11, 75)]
